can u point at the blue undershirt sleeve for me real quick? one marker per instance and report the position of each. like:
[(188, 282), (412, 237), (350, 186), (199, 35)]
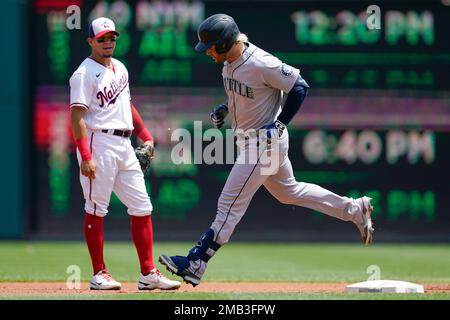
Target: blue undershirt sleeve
[(294, 101)]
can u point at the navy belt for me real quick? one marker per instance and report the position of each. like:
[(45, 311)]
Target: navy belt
[(117, 132)]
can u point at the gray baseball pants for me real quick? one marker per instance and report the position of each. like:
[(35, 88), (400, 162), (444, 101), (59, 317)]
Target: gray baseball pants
[(269, 165)]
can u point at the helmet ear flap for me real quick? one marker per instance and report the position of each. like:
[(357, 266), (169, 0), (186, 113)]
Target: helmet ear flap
[(221, 47), (226, 41)]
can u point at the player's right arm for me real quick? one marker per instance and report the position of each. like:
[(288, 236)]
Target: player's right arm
[(218, 115), (79, 132), (81, 91)]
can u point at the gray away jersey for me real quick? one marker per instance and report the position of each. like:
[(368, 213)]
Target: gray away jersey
[(255, 83)]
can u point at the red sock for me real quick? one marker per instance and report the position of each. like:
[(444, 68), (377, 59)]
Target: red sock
[(142, 234), (93, 233)]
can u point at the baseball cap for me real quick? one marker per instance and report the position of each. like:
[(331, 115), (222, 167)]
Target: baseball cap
[(101, 26)]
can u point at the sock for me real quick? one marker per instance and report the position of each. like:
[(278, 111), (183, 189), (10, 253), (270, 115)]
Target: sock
[(142, 234), (93, 233)]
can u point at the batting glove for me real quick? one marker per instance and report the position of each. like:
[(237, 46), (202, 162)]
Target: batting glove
[(218, 115), (280, 126)]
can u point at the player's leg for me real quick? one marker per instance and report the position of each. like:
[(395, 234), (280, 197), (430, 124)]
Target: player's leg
[(97, 194), (243, 181), (253, 167), (130, 189), (286, 189)]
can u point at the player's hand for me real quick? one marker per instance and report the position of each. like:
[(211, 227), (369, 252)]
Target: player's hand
[(278, 125), (152, 143), (218, 115), (88, 168)]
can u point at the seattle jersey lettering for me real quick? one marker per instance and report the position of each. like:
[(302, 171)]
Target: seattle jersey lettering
[(240, 88)]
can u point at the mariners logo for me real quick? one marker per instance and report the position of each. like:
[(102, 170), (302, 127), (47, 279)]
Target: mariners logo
[(286, 70)]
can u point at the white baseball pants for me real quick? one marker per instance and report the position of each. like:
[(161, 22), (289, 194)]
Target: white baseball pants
[(118, 171)]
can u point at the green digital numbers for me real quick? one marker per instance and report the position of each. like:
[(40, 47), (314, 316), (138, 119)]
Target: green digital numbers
[(362, 33), (123, 44), (170, 53), (319, 28), (412, 26), (166, 43), (167, 70), (176, 198), (411, 78), (163, 166), (300, 19), (347, 28), (58, 49), (59, 176), (321, 147), (401, 205), (365, 78), (172, 200), (346, 33), (367, 147), (149, 44), (412, 204)]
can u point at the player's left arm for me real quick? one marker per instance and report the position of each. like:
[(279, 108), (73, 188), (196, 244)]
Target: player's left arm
[(286, 78), (294, 100), (139, 128)]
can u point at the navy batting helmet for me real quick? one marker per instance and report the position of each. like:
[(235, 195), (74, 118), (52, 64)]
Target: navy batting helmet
[(220, 30)]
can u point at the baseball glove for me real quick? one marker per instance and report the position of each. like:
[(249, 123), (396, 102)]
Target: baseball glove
[(144, 154)]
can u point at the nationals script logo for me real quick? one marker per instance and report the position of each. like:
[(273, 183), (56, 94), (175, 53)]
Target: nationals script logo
[(109, 94)]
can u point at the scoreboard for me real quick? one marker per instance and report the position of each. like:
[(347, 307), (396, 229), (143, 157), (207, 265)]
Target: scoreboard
[(328, 40), (376, 120)]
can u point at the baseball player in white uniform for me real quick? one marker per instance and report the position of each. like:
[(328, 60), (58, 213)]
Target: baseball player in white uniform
[(264, 94), (103, 118)]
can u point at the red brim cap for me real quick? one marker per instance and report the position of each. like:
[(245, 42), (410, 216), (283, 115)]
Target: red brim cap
[(101, 34)]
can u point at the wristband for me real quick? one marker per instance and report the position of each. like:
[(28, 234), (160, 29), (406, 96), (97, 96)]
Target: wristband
[(84, 149), (145, 135)]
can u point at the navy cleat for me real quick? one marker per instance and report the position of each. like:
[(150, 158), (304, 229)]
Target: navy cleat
[(192, 267), (190, 271)]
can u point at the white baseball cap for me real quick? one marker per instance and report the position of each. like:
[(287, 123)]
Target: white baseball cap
[(101, 26)]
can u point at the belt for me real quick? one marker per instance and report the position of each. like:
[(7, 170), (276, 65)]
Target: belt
[(264, 132), (248, 134), (117, 132)]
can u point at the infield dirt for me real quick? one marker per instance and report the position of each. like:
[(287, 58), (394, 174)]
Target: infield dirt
[(59, 288)]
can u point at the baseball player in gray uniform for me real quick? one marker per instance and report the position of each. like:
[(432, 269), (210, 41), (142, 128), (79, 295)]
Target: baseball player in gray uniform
[(264, 94)]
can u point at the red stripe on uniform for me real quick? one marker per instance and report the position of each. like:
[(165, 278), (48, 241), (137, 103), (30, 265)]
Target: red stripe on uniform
[(92, 138), (90, 180)]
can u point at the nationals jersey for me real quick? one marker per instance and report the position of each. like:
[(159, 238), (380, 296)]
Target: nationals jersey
[(255, 83), (104, 92)]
